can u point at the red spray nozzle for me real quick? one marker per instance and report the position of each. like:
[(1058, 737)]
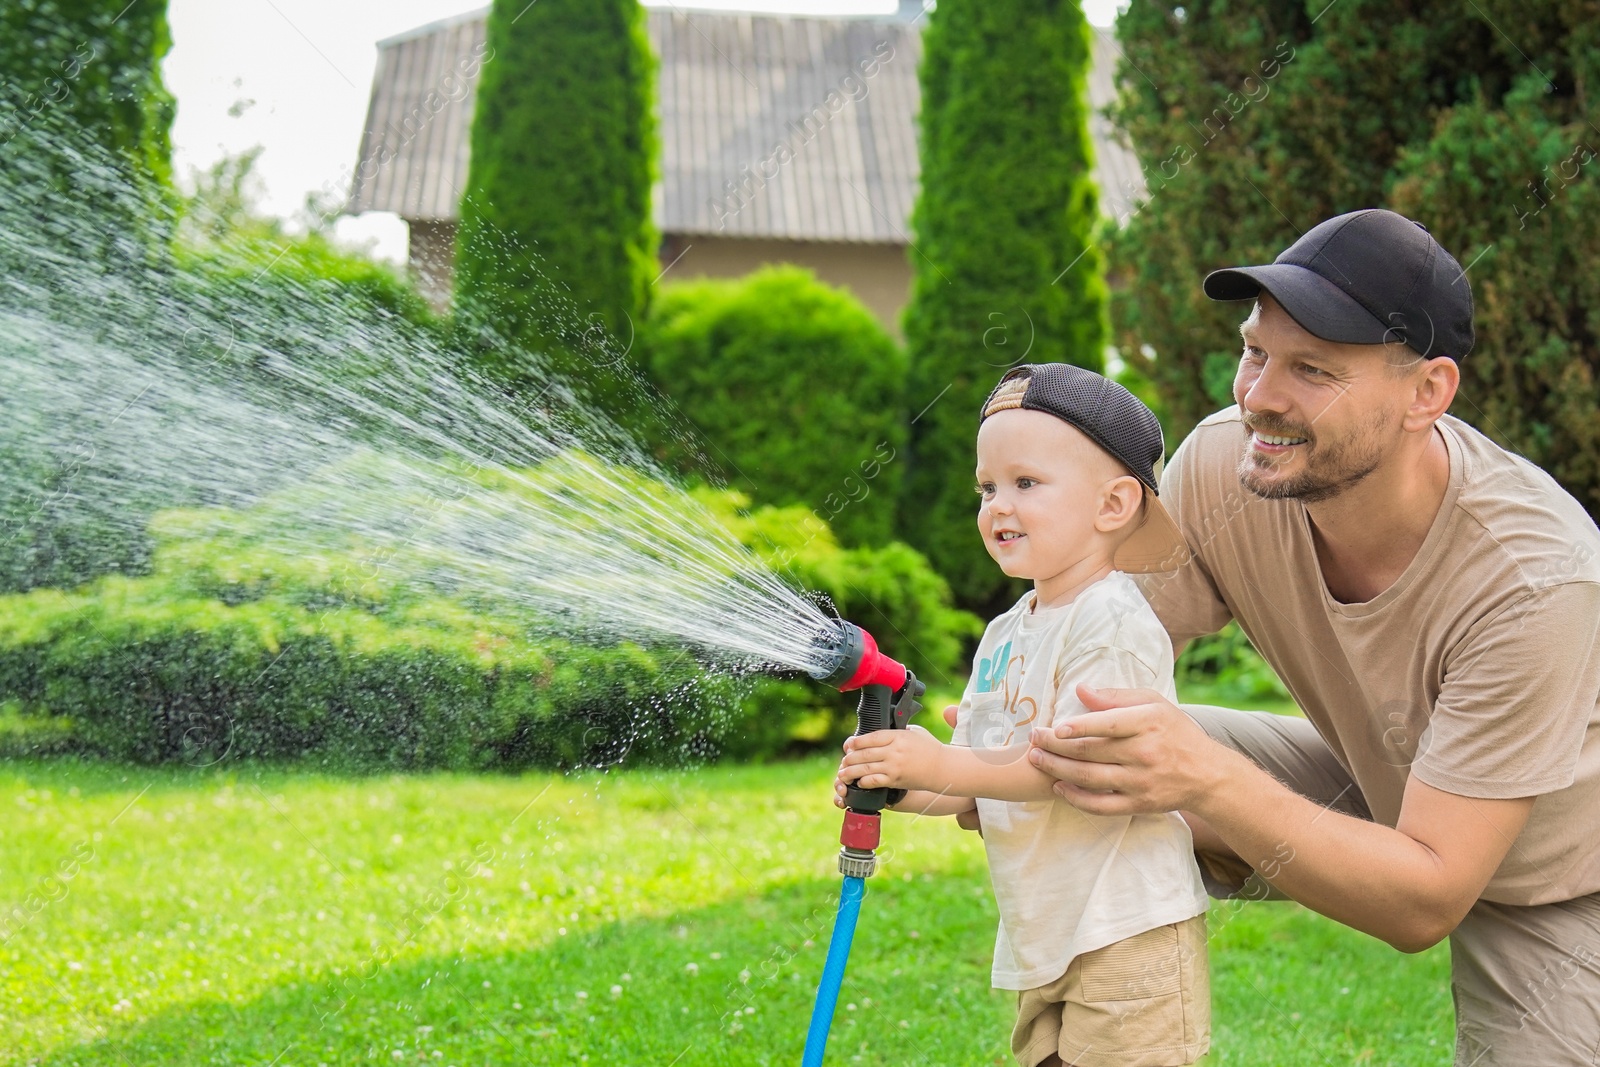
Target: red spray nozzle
[(847, 657), (875, 668), (854, 661)]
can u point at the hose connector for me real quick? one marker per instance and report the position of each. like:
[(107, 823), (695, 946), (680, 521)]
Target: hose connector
[(853, 863), (859, 836)]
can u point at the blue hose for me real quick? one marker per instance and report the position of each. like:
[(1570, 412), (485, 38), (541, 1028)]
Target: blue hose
[(844, 931)]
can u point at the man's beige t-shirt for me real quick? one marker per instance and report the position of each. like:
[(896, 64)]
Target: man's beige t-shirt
[(1478, 670)]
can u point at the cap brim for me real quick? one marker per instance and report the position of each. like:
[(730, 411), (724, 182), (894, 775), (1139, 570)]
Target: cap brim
[(1325, 310), (1156, 545)]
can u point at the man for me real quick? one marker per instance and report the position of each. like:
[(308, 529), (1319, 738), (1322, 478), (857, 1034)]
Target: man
[(1431, 601)]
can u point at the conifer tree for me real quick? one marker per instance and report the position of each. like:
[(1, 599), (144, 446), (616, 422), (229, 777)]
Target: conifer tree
[(556, 250), (1006, 268), (1477, 120)]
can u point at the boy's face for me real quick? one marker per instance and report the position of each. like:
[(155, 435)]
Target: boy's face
[(1040, 482)]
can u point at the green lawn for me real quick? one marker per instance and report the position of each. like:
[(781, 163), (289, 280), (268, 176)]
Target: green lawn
[(251, 915)]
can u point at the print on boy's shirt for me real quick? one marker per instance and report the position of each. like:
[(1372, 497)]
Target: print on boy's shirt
[(1002, 673), (992, 670)]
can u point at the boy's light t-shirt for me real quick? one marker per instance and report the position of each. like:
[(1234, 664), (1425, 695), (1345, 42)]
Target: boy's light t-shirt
[(1065, 882)]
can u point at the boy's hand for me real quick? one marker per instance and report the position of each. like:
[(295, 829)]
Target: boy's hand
[(894, 759)]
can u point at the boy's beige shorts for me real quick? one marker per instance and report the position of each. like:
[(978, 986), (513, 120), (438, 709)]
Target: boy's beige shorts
[(1142, 1002)]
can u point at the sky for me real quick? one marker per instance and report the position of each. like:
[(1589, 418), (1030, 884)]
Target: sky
[(294, 77)]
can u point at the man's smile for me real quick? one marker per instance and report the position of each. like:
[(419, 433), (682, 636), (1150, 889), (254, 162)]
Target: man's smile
[(1274, 444)]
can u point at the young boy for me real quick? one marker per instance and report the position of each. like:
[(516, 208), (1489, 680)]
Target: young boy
[(1102, 919)]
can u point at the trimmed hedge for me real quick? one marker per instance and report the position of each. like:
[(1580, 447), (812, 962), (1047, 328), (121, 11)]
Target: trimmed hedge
[(794, 386), (148, 677), (233, 647), (251, 307)]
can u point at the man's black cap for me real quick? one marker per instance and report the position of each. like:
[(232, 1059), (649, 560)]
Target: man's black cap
[(1369, 277), (1118, 422)]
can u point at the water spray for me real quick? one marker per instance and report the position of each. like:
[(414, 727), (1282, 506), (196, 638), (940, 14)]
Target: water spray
[(891, 695)]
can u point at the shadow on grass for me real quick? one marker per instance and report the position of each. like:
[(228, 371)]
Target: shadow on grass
[(731, 984)]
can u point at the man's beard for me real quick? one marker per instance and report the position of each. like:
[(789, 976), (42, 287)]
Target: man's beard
[(1330, 469)]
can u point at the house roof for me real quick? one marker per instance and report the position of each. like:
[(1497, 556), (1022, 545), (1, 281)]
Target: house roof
[(770, 125)]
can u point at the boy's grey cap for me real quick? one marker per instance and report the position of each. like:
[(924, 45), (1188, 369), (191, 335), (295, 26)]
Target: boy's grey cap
[(1369, 277), (1119, 422)]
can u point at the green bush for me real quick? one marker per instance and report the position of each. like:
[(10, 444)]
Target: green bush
[(1225, 667), (242, 277), (889, 590), (240, 643), (1007, 268), (252, 308), (264, 302), (286, 280), (795, 388)]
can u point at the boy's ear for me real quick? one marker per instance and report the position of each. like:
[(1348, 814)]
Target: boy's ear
[(1120, 500)]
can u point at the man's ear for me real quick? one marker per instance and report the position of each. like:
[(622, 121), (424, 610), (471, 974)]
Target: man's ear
[(1436, 383), (1120, 500)]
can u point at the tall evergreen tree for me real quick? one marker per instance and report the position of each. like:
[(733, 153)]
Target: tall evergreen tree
[(84, 63), (1478, 120), (85, 117), (85, 221), (1006, 268), (557, 248)]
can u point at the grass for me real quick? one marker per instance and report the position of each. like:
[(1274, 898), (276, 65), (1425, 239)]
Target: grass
[(258, 915)]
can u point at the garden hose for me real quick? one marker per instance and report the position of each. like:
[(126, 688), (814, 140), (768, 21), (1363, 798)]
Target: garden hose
[(844, 931)]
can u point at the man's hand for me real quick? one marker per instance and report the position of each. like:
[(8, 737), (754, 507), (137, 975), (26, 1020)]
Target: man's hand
[(1134, 753), (895, 759)]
